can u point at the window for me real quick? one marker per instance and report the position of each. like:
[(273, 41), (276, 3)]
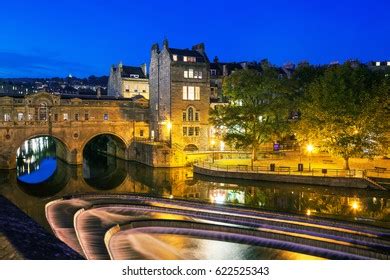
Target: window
[(197, 93), (174, 57), (105, 117), (190, 131), (141, 133), (213, 72), (184, 131), (76, 117), (185, 58), (43, 112), (30, 117), (200, 75), (7, 117), (184, 116), (388, 63), (20, 116), (378, 63), (127, 88), (196, 116), (56, 117), (185, 74), (197, 131), (191, 93), (86, 116), (191, 73), (190, 114), (66, 116), (195, 74)]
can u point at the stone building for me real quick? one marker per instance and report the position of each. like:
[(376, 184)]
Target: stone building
[(128, 81), (180, 96)]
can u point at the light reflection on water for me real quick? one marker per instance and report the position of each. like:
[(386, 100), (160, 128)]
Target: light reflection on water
[(141, 245), (52, 178)]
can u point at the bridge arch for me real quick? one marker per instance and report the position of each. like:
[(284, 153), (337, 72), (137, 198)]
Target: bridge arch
[(116, 145), (62, 149)]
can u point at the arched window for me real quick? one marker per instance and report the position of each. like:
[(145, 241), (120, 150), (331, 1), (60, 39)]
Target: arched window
[(190, 114), (43, 112)]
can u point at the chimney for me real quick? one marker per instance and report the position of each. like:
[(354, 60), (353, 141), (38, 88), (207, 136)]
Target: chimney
[(216, 60), (165, 43), (98, 92), (144, 69), (199, 47), (224, 70), (155, 48)]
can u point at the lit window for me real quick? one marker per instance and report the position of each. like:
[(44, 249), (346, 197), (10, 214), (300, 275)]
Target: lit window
[(175, 57), (105, 117), (191, 93), (7, 117), (186, 74), (66, 116), (184, 92), (378, 63), (197, 93), (20, 116), (195, 74), (200, 74), (191, 73), (388, 63), (185, 58)]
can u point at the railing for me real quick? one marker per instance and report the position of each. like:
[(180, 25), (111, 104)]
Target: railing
[(285, 170), (378, 173)]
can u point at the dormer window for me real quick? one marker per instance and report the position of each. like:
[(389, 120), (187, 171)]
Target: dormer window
[(174, 57), (213, 72), (134, 76)]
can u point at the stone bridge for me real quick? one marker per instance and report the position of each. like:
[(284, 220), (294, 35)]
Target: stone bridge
[(73, 121)]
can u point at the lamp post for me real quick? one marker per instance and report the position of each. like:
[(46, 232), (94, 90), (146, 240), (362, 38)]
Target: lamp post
[(309, 149)]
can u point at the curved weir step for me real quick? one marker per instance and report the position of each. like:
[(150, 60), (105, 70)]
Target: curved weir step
[(84, 219)]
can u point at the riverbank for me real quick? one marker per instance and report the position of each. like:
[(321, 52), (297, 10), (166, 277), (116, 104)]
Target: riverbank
[(286, 176), (21, 238)]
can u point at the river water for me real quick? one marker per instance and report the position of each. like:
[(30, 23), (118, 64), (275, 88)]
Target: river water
[(40, 178)]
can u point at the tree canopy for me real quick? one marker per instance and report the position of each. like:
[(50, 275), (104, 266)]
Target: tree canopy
[(344, 112), (257, 111)]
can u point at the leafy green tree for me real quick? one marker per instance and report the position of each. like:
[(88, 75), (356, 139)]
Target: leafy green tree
[(257, 111), (343, 112)]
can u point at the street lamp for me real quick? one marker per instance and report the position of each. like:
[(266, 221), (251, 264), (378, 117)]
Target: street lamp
[(309, 149)]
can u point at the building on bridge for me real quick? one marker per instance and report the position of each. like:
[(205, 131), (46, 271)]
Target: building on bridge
[(73, 121), (128, 81), (180, 96)]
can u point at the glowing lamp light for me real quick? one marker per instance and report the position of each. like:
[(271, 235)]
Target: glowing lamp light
[(355, 205), (212, 142), (308, 212), (310, 148), (169, 125)]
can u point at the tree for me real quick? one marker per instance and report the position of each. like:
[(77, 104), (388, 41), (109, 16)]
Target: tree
[(343, 112), (257, 111)]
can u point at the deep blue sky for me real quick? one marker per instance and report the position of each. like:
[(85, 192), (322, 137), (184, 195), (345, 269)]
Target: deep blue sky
[(55, 38)]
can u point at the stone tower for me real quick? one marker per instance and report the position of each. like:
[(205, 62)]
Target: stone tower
[(180, 96)]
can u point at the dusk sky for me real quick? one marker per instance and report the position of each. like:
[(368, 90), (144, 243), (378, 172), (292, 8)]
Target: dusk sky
[(82, 38)]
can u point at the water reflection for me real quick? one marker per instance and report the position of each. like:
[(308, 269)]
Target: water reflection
[(38, 176)]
